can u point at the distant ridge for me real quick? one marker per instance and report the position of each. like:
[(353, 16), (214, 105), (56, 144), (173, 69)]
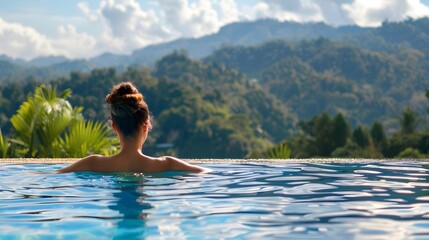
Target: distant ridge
[(245, 34), (239, 33), (389, 37), (46, 61)]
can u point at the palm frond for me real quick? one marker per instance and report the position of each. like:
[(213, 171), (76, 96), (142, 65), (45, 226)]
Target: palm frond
[(89, 137), (40, 121), (281, 151), (25, 121), (4, 146)]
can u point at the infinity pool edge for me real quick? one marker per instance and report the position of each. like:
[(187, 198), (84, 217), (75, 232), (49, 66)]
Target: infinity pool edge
[(223, 161)]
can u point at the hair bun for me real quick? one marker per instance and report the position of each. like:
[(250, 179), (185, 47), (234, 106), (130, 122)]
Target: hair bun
[(126, 88), (128, 110), (124, 93)]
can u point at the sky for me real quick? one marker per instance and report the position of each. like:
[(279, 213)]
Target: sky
[(84, 29)]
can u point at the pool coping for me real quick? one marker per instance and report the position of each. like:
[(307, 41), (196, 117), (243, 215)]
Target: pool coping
[(224, 161)]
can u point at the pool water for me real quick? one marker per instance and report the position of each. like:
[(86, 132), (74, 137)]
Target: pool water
[(246, 201)]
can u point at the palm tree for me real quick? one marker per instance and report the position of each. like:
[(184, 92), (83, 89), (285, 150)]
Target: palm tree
[(48, 126), (41, 120), (87, 138), (4, 146)]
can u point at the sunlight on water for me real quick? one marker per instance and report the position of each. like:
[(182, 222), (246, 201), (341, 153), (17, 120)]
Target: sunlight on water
[(338, 201)]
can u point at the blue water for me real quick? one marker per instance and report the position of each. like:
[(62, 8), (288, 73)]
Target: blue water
[(293, 201)]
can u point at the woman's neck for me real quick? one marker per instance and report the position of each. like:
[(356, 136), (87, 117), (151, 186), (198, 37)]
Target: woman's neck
[(131, 145)]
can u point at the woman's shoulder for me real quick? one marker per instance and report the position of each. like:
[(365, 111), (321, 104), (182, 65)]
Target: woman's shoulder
[(84, 164), (92, 159), (181, 165)]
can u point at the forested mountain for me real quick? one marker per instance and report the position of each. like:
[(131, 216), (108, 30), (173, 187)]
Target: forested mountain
[(393, 35), (240, 98), (201, 110), (320, 75), (13, 72)]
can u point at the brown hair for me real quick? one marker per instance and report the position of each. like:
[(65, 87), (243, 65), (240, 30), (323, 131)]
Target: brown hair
[(128, 110)]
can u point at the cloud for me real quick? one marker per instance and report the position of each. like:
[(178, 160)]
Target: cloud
[(84, 8), (333, 12), (126, 25), (194, 19), (298, 11), (73, 44), (23, 42), (372, 13), (121, 26), (340, 12)]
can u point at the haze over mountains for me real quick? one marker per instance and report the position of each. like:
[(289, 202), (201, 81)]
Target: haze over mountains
[(411, 33), (240, 33)]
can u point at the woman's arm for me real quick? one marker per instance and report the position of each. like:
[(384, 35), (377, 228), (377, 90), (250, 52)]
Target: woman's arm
[(179, 165)]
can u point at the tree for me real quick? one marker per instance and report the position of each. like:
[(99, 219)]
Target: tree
[(43, 120), (88, 137), (40, 121), (410, 153), (4, 146), (378, 136), (320, 132), (361, 137), (427, 96), (341, 130), (409, 121)]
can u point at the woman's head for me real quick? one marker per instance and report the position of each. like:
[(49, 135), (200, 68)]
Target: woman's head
[(128, 110)]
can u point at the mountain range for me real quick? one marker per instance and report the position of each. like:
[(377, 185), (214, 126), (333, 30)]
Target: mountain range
[(388, 37), (240, 33)]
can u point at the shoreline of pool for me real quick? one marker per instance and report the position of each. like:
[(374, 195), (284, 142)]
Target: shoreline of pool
[(224, 161)]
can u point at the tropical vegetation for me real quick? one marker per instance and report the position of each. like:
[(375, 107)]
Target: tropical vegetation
[(46, 125), (364, 97)]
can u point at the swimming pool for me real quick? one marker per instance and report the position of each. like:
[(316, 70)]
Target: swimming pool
[(236, 201)]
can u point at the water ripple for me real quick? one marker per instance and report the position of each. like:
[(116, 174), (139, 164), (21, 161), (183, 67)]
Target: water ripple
[(249, 201)]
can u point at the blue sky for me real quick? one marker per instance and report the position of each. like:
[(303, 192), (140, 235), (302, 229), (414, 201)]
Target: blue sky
[(82, 29)]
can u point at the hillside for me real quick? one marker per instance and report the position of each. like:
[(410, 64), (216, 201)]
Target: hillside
[(273, 84), (320, 75), (201, 110)]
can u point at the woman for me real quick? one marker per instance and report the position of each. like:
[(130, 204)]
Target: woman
[(131, 122)]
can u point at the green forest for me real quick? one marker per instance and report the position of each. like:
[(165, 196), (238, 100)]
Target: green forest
[(366, 97)]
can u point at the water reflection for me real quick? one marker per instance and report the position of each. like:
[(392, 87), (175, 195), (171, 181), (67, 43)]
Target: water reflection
[(129, 202)]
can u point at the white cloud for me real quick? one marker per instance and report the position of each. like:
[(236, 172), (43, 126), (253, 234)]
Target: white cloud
[(194, 19), (121, 26), (333, 12), (23, 42), (298, 11), (84, 8), (126, 25), (372, 13), (73, 44), (340, 12)]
